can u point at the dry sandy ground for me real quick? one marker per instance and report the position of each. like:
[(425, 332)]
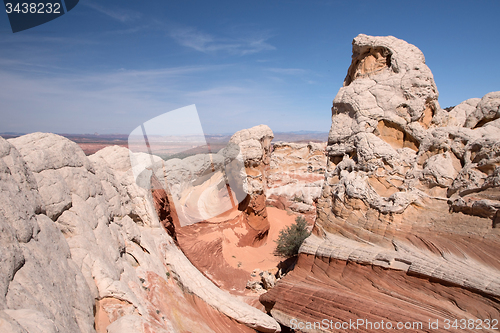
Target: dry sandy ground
[(249, 258), (213, 249)]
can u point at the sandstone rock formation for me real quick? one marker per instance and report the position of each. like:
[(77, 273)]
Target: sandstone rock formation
[(407, 199), (217, 187), (83, 250), (295, 176), (268, 280), (405, 227), (255, 145), (233, 237)]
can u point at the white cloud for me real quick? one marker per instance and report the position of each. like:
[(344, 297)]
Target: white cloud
[(118, 14), (221, 90), (78, 102), (206, 43), (288, 71), (119, 101), (70, 101)]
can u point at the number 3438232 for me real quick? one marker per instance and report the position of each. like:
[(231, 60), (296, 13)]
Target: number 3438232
[(471, 324), (34, 8)]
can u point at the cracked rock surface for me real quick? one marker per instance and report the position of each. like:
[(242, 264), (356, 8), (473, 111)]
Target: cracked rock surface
[(407, 219), (82, 250), (295, 176)]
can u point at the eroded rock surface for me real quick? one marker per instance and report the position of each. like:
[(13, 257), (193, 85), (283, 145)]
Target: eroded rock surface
[(227, 248), (255, 145), (295, 176), (83, 250), (411, 198)]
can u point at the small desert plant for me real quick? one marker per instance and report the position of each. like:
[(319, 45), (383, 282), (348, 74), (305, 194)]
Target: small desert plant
[(291, 237)]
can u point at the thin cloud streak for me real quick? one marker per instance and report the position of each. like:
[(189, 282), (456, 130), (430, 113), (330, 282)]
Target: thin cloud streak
[(118, 101), (71, 102), (206, 43), (222, 90), (115, 13), (288, 71)]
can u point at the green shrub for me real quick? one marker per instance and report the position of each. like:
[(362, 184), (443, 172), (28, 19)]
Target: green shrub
[(291, 237)]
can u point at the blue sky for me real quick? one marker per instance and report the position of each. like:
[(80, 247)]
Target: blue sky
[(108, 66)]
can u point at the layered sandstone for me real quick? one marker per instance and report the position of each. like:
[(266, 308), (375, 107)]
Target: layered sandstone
[(229, 247), (407, 200), (255, 145), (406, 220), (83, 250), (295, 176)]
